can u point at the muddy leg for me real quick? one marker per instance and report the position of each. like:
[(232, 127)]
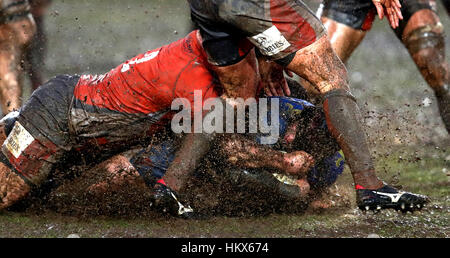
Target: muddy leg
[(424, 38), (14, 37), (258, 161), (322, 67), (242, 152), (10, 90), (344, 39)]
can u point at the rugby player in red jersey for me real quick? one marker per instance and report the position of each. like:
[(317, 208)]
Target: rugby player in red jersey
[(94, 117), (16, 31), (420, 31)]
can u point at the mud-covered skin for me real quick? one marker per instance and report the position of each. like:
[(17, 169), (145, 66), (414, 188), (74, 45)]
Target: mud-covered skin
[(426, 45), (246, 153), (16, 31), (189, 157), (272, 77), (318, 58), (343, 38), (420, 31)]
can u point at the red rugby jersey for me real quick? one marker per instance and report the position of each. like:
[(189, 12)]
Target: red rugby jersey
[(150, 82)]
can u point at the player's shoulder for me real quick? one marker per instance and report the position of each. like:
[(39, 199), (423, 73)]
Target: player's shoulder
[(188, 45)]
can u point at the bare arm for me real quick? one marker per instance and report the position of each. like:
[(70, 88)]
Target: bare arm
[(192, 150), (243, 152)]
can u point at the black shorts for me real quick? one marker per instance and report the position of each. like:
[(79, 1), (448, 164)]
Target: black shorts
[(360, 14), (40, 135), (278, 28)]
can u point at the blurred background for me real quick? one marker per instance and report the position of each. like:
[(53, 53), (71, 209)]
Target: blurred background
[(96, 35)]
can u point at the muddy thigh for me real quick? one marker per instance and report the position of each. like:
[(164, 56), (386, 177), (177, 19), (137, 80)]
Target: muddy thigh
[(14, 38)]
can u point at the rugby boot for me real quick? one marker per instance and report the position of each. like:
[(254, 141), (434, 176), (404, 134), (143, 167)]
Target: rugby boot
[(387, 197), (167, 201)]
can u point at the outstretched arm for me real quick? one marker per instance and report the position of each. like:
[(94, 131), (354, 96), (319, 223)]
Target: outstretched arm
[(191, 152), (243, 152)]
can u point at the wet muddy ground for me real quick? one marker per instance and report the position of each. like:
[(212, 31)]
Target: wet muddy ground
[(126, 214), (410, 142)]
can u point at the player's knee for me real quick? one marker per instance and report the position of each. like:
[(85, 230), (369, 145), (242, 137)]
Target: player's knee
[(334, 69), (426, 45), (324, 69), (425, 37), (336, 81)]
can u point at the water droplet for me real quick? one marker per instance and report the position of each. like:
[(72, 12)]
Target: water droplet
[(426, 102)]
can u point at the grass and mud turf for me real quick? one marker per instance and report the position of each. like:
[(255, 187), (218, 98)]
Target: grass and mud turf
[(424, 171)]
